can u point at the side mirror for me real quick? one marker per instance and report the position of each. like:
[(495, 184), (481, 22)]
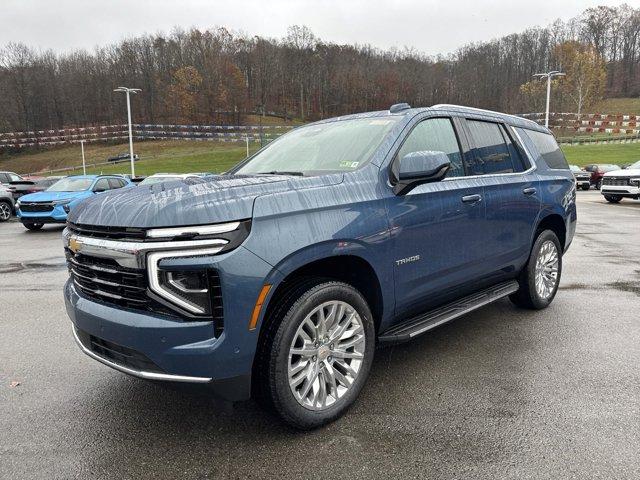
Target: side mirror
[(421, 167)]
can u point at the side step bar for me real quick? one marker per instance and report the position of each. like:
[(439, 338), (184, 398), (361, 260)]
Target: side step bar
[(423, 323)]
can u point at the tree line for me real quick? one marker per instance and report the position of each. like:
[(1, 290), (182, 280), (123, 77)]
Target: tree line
[(216, 76)]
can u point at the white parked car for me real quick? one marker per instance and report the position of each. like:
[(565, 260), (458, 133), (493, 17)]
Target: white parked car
[(620, 184), (167, 177)]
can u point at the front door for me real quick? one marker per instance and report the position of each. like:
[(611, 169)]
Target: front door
[(438, 228)]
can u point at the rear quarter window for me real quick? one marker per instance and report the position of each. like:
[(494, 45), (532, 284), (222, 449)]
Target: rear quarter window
[(548, 149)]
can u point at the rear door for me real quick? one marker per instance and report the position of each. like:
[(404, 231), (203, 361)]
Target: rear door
[(438, 228), (511, 193)]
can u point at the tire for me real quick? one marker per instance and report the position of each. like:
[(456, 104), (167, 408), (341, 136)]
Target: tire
[(33, 226), (531, 294), (613, 198), (598, 184), (5, 211), (586, 186), (287, 358)]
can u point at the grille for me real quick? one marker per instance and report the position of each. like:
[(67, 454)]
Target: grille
[(616, 181), (105, 232), (36, 207), (124, 356), (106, 280)]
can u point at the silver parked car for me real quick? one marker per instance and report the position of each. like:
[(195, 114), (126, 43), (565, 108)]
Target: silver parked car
[(6, 204)]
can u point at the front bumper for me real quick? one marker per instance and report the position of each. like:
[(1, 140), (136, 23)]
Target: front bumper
[(581, 182), (622, 190), (57, 215), (184, 352)]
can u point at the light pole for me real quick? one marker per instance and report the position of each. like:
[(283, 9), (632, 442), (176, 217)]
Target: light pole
[(84, 168), (129, 91), (548, 76)]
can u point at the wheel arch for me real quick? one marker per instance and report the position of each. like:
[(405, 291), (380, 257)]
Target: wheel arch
[(554, 222)]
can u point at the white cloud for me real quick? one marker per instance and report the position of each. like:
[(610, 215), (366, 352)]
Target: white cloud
[(430, 26)]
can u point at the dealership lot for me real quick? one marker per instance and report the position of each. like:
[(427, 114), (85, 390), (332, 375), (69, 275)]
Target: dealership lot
[(499, 393)]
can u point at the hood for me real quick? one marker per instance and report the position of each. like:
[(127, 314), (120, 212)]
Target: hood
[(191, 201), (51, 196), (631, 172)]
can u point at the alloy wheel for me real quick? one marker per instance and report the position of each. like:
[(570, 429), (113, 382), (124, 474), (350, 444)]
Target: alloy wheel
[(5, 211), (547, 265), (326, 355)]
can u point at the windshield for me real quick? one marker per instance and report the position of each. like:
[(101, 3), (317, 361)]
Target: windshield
[(153, 180), (71, 185), (634, 166), (608, 168), (575, 168), (327, 147)]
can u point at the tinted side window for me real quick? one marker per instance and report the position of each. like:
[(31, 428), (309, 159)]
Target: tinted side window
[(491, 154), (3, 177), (548, 149), (102, 184), (436, 134), (115, 183)]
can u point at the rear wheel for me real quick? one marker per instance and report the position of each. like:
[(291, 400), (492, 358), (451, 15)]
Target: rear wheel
[(5, 211), (540, 277), (317, 353), (613, 198), (33, 226), (585, 186)]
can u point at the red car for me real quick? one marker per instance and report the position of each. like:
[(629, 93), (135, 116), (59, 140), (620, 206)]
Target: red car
[(598, 170)]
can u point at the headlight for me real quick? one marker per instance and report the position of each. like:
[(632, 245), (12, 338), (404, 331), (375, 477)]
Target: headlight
[(188, 289), (18, 204)]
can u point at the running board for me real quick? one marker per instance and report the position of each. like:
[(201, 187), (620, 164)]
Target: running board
[(427, 321)]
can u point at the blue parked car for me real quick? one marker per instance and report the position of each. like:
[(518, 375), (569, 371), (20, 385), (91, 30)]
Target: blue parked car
[(279, 278), (53, 204)]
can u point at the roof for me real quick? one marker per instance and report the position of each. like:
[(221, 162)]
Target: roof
[(457, 109)]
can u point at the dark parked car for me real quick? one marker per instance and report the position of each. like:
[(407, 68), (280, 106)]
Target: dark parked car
[(279, 278), (583, 179), (31, 185), (123, 157), (598, 170)]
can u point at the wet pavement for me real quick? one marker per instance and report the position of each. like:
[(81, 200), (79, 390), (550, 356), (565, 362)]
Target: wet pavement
[(500, 393)]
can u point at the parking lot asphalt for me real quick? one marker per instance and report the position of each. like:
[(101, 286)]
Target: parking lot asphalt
[(499, 393)]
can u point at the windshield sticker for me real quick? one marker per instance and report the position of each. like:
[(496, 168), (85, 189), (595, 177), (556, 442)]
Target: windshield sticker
[(348, 164)]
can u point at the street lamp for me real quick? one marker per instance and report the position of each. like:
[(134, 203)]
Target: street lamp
[(129, 91), (84, 168), (548, 76)]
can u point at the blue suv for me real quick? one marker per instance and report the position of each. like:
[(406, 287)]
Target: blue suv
[(53, 204), (278, 278)]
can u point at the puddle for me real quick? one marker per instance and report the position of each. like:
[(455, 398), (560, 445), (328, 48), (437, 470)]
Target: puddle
[(21, 266)]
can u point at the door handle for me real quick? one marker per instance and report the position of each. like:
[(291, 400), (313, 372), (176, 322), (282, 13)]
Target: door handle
[(472, 198), (529, 191)]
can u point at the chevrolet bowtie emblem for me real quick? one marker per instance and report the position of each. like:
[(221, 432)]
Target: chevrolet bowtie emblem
[(75, 245)]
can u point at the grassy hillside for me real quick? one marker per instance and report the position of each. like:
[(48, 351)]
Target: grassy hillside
[(618, 154), (182, 157), (617, 105), (160, 156)]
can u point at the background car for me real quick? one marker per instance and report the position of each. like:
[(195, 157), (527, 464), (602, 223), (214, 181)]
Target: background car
[(31, 185), (7, 177), (619, 184), (583, 179), (598, 170), (167, 177), (53, 204), (122, 157), (6, 204)]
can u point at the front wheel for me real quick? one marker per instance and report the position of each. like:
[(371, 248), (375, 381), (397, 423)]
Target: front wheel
[(540, 277), (585, 186), (5, 211), (613, 198), (317, 352), (598, 184)]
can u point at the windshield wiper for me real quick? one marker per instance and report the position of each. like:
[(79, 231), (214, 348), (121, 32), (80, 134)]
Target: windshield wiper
[(282, 172)]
